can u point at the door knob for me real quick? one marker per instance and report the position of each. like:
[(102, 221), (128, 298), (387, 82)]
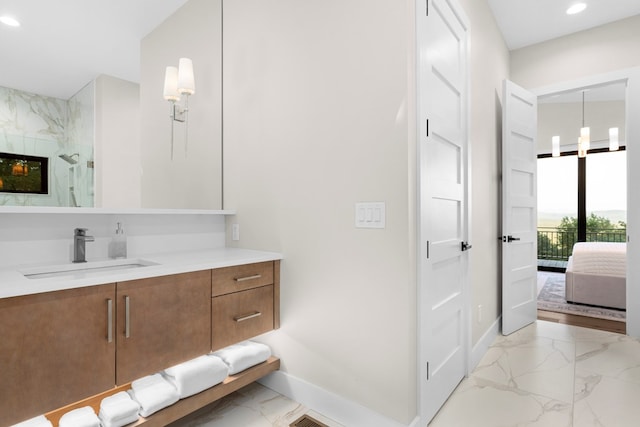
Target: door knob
[(465, 246), (509, 238)]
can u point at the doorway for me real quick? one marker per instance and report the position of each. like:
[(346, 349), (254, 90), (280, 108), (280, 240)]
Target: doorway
[(581, 192)]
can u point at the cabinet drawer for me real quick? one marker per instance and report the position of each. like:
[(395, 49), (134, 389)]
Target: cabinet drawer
[(241, 277), (241, 315)]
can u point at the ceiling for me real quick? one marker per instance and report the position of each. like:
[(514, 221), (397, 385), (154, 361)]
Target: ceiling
[(63, 45), (527, 22)]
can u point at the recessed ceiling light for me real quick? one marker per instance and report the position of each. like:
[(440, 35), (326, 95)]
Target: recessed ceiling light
[(576, 8), (7, 20)]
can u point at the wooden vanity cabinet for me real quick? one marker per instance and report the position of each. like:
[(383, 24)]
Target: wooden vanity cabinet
[(55, 349), (61, 347), (161, 321), (246, 302)]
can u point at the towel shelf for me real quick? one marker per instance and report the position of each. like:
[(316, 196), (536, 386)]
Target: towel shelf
[(183, 407)]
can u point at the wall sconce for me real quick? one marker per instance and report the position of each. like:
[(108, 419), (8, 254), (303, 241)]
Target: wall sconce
[(179, 81)]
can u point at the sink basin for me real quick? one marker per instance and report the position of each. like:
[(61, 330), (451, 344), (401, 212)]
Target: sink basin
[(86, 269)]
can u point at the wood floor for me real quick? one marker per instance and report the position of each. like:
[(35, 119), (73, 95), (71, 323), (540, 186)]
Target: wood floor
[(585, 322)]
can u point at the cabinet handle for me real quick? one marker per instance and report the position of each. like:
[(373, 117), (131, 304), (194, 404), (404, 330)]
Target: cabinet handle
[(244, 279), (109, 320), (247, 317), (127, 317)]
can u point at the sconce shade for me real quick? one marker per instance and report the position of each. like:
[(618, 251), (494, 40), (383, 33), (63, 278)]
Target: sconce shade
[(555, 146), (614, 144), (186, 83), (171, 84)]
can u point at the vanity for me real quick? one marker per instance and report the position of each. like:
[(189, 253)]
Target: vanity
[(73, 337)]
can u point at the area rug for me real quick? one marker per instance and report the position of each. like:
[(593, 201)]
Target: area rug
[(552, 298)]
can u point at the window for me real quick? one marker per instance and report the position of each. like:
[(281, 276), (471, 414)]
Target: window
[(580, 200)]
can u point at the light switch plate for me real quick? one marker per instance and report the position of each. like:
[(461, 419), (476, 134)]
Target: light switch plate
[(370, 215)]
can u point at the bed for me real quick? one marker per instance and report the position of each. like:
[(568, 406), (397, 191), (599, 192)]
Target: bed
[(596, 274)]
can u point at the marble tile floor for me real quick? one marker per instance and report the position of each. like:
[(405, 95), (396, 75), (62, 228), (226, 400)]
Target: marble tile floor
[(545, 375), (553, 375), (251, 406)]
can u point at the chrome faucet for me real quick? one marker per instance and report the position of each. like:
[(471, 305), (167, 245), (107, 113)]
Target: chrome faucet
[(79, 239)]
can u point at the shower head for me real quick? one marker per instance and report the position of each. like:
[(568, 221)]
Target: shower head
[(69, 158)]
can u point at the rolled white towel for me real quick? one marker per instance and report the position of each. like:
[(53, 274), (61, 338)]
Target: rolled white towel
[(81, 417), (153, 393), (196, 375), (118, 410), (39, 421), (243, 355)]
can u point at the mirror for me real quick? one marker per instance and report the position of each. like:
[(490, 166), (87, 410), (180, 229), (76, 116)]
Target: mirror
[(103, 125)]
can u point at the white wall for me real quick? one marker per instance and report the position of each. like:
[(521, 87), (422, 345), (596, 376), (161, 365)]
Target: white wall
[(315, 120), (489, 67), (117, 143), (599, 50), (193, 178)]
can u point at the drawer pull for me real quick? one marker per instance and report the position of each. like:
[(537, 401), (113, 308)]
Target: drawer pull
[(247, 316), (244, 279)]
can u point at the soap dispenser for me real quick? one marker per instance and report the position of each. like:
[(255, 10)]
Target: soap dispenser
[(118, 245)]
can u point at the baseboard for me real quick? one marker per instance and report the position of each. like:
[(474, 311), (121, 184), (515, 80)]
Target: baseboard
[(483, 344), (331, 405)]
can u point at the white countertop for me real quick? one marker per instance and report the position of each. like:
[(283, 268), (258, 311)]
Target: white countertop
[(13, 283)]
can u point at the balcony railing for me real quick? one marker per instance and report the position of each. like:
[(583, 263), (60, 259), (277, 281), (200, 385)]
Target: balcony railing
[(556, 244)]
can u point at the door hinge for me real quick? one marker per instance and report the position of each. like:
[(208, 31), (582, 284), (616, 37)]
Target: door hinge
[(427, 249), (427, 1), (428, 371), (427, 128)]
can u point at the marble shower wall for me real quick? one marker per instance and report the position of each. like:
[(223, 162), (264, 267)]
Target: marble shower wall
[(48, 127)]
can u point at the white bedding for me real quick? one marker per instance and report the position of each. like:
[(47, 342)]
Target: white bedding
[(602, 258)]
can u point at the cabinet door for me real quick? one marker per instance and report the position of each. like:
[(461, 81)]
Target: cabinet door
[(162, 321), (54, 350)]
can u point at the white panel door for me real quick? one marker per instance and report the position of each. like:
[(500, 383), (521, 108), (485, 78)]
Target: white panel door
[(519, 208), (442, 44)]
